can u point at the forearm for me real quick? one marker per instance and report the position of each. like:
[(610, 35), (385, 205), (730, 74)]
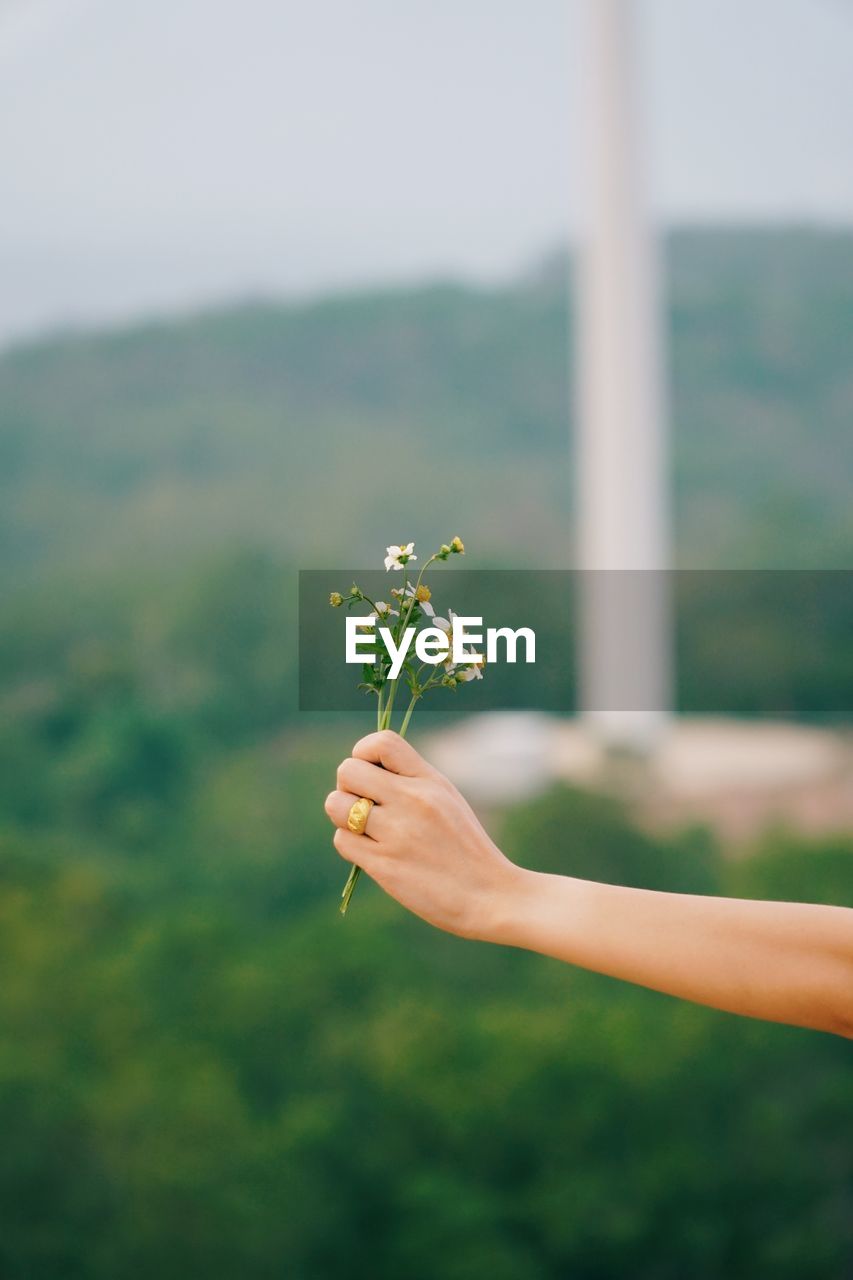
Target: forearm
[(786, 962), (424, 845)]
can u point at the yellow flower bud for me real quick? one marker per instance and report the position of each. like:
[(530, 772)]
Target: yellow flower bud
[(336, 599), (457, 546)]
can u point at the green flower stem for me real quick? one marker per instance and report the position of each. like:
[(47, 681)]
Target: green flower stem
[(385, 719), (389, 707), (413, 597), (407, 717), (384, 710), (355, 871), (352, 881)]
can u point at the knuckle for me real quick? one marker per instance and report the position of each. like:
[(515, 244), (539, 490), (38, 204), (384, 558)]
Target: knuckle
[(329, 805), (343, 772)]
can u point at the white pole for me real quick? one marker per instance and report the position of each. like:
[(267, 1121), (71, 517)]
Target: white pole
[(621, 452)]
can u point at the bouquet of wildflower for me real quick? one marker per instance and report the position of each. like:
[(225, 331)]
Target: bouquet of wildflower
[(410, 606)]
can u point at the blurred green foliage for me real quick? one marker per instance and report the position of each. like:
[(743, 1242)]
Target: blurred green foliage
[(203, 1070)]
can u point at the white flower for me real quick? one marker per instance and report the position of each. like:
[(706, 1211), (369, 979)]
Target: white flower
[(419, 596), (383, 610), (473, 672), (397, 557), (446, 624)]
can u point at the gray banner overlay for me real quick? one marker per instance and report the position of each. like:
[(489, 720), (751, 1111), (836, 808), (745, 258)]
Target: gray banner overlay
[(776, 643)]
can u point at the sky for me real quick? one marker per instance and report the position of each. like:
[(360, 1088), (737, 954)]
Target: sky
[(162, 154)]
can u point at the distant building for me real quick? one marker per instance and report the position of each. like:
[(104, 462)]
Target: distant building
[(622, 468)]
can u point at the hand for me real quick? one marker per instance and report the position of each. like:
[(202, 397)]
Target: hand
[(788, 962), (423, 843)]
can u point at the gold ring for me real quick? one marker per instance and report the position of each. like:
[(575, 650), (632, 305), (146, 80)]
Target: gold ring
[(358, 815)]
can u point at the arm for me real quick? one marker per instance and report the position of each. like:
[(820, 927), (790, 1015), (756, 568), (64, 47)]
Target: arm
[(783, 961)]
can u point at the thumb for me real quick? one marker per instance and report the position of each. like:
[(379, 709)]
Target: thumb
[(394, 753)]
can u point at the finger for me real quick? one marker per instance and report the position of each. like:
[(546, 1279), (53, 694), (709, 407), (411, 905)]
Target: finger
[(394, 753), (354, 848), (363, 779), (338, 805)]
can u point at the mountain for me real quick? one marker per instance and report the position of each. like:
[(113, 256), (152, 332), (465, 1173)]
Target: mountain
[(320, 431)]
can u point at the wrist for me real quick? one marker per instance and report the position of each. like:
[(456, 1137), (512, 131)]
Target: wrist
[(540, 912), (509, 916)]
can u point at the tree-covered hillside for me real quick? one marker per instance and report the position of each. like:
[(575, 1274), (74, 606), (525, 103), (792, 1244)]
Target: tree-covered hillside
[(313, 428)]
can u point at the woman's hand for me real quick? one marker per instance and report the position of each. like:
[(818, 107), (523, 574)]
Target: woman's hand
[(784, 961), (423, 843)]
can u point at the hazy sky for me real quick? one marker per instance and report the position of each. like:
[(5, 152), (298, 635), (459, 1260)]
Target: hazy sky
[(162, 152)]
